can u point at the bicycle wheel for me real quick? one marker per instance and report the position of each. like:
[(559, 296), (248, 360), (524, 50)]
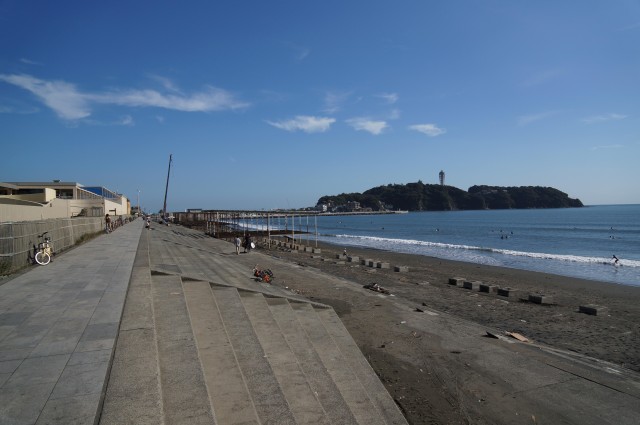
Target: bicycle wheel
[(42, 258)]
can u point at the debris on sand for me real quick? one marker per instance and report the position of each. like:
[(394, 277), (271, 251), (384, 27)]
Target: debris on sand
[(377, 288), (517, 336)]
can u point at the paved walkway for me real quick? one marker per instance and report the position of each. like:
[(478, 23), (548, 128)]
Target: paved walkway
[(58, 327)]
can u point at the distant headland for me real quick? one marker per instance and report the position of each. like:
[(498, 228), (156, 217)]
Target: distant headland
[(434, 197)]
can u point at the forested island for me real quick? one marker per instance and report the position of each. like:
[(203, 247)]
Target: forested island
[(434, 197)]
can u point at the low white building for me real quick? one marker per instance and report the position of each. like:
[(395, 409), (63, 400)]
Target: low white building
[(27, 201)]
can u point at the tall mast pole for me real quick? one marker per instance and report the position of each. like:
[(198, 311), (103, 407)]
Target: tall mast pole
[(166, 189)]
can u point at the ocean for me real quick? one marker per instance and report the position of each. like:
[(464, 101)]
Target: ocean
[(576, 242)]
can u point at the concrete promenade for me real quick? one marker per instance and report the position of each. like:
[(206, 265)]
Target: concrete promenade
[(58, 329), (164, 327), (168, 326)]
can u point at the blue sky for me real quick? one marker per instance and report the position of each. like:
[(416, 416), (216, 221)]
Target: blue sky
[(273, 104)]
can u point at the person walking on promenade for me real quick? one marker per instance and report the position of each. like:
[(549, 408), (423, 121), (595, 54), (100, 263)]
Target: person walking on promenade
[(238, 242), (247, 243), (107, 221)]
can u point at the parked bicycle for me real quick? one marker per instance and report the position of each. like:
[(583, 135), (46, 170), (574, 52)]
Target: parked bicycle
[(44, 251)]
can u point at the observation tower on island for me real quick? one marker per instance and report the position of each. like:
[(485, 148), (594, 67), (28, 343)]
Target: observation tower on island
[(441, 175)]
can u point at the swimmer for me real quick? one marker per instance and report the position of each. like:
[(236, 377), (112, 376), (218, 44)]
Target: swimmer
[(616, 261)]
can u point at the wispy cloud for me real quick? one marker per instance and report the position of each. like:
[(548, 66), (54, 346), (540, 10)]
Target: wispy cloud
[(300, 52), (71, 104), (167, 83), (596, 148), (5, 109), (126, 120), (208, 100), (394, 114), (306, 123), (531, 118), (603, 118), (431, 130), (333, 101), (389, 98), (366, 124), (60, 96), (30, 62)]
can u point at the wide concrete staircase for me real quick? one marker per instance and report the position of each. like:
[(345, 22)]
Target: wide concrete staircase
[(201, 343)]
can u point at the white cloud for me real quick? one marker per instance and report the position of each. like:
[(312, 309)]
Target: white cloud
[(70, 104), (365, 124), (60, 96), (531, 118), (602, 118), (390, 98), (308, 124), (210, 99), (430, 130)]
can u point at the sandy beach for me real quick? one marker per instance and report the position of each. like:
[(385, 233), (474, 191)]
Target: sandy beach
[(437, 394)]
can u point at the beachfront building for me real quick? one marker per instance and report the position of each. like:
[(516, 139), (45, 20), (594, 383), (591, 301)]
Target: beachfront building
[(353, 206), (322, 208), (27, 201)]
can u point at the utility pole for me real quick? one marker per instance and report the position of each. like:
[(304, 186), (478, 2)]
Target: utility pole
[(166, 189)]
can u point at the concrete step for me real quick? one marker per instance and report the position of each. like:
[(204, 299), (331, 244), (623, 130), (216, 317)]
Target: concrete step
[(376, 391), (159, 256), (204, 264), (319, 379), (133, 393), (301, 398), (347, 382), (227, 389), (184, 395), (268, 398)]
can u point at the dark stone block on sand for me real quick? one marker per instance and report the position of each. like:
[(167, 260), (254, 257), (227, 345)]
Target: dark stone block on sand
[(540, 299), (507, 292), (484, 287), (474, 285), (593, 310)]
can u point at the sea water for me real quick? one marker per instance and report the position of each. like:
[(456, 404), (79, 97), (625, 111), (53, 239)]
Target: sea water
[(576, 242)]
